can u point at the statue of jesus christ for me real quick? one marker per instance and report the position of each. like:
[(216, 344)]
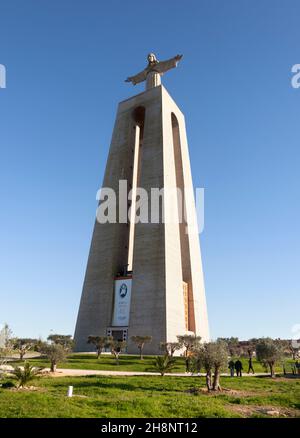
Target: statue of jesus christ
[(154, 70)]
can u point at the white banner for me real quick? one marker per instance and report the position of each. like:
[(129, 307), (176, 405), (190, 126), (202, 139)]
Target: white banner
[(122, 302)]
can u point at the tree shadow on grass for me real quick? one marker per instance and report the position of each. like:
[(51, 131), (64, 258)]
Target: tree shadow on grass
[(290, 376), (97, 385), (102, 383)]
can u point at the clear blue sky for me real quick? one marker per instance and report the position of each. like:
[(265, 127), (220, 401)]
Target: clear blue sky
[(66, 62)]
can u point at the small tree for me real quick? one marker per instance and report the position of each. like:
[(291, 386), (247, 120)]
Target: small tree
[(196, 363), (116, 348), (251, 347), (24, 374), (191, 343), (213, 356), (55, 353), (164, 364), (22, 345), (99, 341), (170, 347), (268, 352), (38, 345), (204, 358), (6, 347), (140, 341), (291, 347), (65, 341), (233, 345), (294, 348), (5, 336)]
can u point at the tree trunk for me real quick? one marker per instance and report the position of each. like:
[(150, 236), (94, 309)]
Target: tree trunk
[(21, 355), (208, 380), (216, 382), (98, 353), (271, 369), (141, 353), (53, 367), (187, 364)]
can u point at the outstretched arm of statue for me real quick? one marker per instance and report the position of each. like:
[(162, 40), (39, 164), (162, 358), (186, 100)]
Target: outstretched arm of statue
[(164, 66), (140, 77)]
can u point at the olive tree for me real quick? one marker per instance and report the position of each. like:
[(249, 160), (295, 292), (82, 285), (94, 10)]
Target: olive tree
[(66, 341), (233, 345), (213, 357), (269, 352), (294, 348), (170, 347), (140, 341), (22, 345), (116, 348), (190, 343), (251, 347), (55, 353), (99, 342), (291, 347)]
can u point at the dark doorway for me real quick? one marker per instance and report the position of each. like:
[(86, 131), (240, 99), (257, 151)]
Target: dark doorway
[(117, 335)]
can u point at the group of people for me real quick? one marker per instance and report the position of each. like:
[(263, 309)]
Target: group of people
[(237, 366)]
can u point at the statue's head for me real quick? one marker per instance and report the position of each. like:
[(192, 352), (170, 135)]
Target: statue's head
[(151, 58)]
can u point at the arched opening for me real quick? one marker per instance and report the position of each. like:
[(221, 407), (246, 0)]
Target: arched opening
[(138, 116), (184, 242)]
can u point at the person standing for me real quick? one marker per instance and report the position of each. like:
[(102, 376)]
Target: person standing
[(231, 368), (238, 368), (250, 367)]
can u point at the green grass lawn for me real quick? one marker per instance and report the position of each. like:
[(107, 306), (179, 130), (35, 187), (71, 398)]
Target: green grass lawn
[(151, 396), (127, 363)]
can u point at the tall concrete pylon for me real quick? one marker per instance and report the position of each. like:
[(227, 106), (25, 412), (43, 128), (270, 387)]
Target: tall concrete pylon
[(161, 294)]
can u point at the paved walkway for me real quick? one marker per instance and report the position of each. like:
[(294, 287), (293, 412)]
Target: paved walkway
[(62, 372), (72, 372)]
